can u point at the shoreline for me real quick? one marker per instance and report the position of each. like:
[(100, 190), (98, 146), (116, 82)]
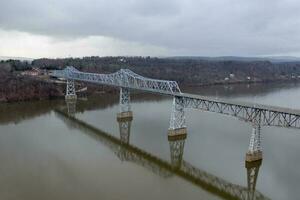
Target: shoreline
[(114, 91)]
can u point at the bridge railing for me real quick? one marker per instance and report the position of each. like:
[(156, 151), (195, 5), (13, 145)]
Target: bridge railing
[(268, 115)]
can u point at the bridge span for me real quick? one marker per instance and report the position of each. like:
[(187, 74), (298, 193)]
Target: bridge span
[(256, 114)]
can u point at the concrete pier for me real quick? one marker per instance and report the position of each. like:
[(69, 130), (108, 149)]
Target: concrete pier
[(254, 156), (125, 116), (71, 97), (176, 134)]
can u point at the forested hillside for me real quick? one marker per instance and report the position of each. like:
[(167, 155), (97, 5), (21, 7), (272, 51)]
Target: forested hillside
[(186, 71)]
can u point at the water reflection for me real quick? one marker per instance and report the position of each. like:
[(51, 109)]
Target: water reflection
[(177, 166), (176, 150), (218, 148), (17, 112), (124, 127), (71, 106), (252, 174)]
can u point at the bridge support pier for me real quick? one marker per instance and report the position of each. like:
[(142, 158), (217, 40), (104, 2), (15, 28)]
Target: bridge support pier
[(125, 113), (177, 121), (176, 149), (255, 151), (70, 90)]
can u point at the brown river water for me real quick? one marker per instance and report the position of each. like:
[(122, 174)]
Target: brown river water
[(47, 154)]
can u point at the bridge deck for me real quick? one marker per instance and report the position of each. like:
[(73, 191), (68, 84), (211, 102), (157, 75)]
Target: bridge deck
[(266, 114), (241, 103)]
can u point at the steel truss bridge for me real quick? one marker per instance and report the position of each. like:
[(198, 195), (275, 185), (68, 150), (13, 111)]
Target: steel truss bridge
[(256, 114), (130, 153)]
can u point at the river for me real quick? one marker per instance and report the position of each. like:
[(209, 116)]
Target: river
[(46, 155)]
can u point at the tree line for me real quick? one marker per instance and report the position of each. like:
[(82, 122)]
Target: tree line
[(184, 70)]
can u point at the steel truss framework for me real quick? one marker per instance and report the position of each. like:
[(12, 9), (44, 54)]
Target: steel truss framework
[(70, 90), (255, 114), (124, 100), (177, 119), (123, 78), (255, 140), (258, 115), (126, 79)]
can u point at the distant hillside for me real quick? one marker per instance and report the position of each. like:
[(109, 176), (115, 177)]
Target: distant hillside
[(185, 70), (274, 59), (15, 58)]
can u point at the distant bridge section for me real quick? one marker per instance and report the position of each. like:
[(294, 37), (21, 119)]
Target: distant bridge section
[(267, 115), (123, 78)]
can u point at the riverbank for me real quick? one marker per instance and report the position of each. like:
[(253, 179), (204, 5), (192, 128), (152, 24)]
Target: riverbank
[(14, 88)]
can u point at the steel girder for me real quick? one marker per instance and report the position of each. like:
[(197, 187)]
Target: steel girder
[(124, 100), (122, 78), (270, 116), (245, 113), (177, 119), (70, 90), (255, 140)]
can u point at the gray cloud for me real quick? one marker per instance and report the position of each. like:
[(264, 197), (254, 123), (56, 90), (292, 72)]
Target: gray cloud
[(189, 27)]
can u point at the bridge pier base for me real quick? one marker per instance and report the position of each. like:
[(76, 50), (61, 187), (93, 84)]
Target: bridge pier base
[(177, 126), (177, 133), (124, 116), (70, 90), (255, 151)]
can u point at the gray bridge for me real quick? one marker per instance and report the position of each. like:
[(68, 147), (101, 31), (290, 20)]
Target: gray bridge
[(256, 114)]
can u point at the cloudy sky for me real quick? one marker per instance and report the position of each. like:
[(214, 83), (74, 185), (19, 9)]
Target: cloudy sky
[(63, 28)]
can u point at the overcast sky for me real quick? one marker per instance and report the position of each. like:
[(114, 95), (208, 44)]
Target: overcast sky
[(61, 28)]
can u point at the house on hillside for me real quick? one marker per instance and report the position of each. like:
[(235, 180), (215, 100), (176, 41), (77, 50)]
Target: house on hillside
[(32, 72)]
